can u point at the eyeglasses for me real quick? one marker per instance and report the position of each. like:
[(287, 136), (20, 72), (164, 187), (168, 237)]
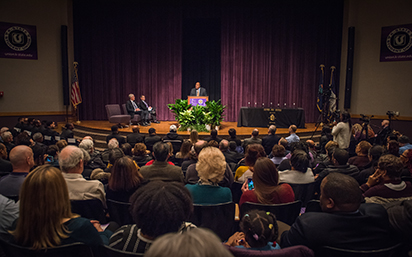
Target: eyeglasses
[(404, 156)]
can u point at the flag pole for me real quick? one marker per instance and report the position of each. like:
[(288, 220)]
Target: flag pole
[(76, 110)]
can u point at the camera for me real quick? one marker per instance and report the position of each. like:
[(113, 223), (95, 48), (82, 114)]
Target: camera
[(392, 113), (365, 119)]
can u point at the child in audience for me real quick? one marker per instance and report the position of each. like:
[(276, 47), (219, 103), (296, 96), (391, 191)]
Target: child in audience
[(259, 231)]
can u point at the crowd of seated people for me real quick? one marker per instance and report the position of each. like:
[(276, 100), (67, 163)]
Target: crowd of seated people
[(161, 188)]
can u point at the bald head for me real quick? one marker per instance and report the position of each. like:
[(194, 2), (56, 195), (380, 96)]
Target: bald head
[(224, 145), (255, 133), (385, 123), (21, 157), (199, 145), (71, 159)]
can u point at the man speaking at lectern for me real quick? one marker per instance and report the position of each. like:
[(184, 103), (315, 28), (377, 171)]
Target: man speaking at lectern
[(198, 91)]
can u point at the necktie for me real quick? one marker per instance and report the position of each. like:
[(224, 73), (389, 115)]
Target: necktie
[(134, 105), (146, 104), (197, 94)]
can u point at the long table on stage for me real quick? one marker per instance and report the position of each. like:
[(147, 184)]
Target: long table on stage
[(264, 117)]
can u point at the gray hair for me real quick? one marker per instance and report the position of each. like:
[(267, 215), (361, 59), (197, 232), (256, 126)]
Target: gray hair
[(130, 96), (6, 135), (86, 156), (37, 136), (113, 143), (173, 128), (70, 161), (198, 242), (272, 129), (87, 145)]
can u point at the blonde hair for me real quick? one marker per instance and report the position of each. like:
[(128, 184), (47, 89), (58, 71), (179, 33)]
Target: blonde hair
[(211, 164), (44, 203)]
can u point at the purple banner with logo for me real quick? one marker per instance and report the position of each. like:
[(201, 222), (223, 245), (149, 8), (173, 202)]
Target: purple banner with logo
[(200, 100), (18, 41), (396, 43)]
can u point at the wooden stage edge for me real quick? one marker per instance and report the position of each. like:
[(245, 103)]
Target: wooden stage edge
[(163, 128)]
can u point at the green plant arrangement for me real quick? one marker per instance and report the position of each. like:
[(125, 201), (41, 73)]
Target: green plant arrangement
[(197, 117)]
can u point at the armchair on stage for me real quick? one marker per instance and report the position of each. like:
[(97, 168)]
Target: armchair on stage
[(197, 112)]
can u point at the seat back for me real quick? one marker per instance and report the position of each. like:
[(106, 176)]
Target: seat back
[(285, 212), (313, 206), (236, 189), (218, 217), (124, 109), (293, 251), (107, 251), (119, 212), (90, 209), (304, 192), (112, 109), (70, 250), (327, 251)]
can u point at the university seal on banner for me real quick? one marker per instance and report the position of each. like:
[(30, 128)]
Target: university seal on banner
[(17, 38), (399, 40), (200, 101)]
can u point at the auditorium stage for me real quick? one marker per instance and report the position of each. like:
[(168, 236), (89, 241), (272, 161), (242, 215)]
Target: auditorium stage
[(100, 129)]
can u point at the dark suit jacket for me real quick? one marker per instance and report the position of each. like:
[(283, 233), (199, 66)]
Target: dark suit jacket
[(119, 138), (149, 141), (231, 157), (162, 171), (269, 141), (130, 109), (202, 92), (252, 140), (367, 229), (142, 106), (67, 133), (135, 138)]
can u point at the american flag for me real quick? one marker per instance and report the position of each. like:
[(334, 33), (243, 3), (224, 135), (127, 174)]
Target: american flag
[(75, 95)]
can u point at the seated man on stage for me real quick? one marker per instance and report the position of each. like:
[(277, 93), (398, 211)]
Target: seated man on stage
[(131, 106), (198, 91), (146, 109)]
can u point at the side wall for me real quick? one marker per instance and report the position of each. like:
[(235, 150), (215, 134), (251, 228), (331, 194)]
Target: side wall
[(377, 87)]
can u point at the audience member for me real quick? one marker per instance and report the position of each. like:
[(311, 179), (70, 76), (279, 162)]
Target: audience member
[(213, 143), (385, 185), (342, 131), (278, 153), (127, 149), (51, 156), (392, 147), (344, 222), (46, 219), (23, 139), (114, 155), (213, 136), (232, 137), (5, 165), (115, 134), (113, 143), (197, 242), (266, 185), (361, 160), (135, 137), (21, 158), (157, 208), (141, 155), (61, 144), (38, 148), (7, 140), (71, 164), (325, 162), (381, 137), (160, 169), (152, 139), (9, 212), (300, 173), (312, 148), (285, 164), (173, 138), (185, 149), (95, 161), (373, 155), (253, 139), (210, 167), (259, 232), (49, 133), (253, 152), (230, 156), (326, 136), (124, 180), (67, 132), (404, 144), (193, 160), (270, 140), (406, 159), (194, 136), (292, 138)]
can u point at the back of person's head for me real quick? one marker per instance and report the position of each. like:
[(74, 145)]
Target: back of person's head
[(266, 179), (341, 156), (376, 152), (61, 144), (299, 146), (211, 165), (87, 145), (393, 147), (194, 136), (255, 133), (224, 145), (161, 151), (310, 143), (52, 150), (232, 132), (7, 136), (213, 133), (259, 227), (199, 242), (152, 131), (115, 129), (299, 161), (272, 129), (185, 148), (345, 117), (173, 128), (391, 164), (170, 148), (283, 142), (70, 158), (213, 143), (124, 175), (139, 149), (44, 203), (363, 147), (232, 146), (160, 207), (253, 152), (330, 147), (115, 154), (127, 149), (199, 146), (49, 123), (113, 143), (403, 139), (69, 126), (340, 192), (3, 151), (23, 139), (326, 130), (278, 151), (21, 156), (393, 136), (38, 137), (135, 129), (293, 128)]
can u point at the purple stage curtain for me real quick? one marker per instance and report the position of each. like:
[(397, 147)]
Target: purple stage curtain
[(123, 48), (272, 54)]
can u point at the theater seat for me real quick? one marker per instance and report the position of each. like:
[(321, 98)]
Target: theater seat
[(136, 119), (285, 212)]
